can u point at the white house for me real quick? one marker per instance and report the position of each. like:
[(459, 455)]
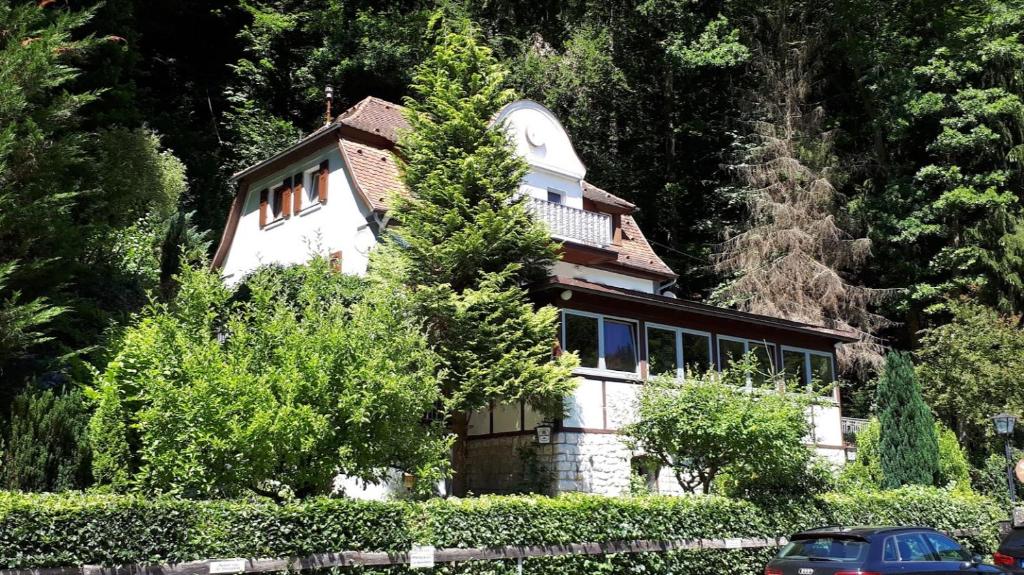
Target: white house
[(328, 194)]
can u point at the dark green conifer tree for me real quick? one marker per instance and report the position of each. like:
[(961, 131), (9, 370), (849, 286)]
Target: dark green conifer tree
[(467, 246), (908, 447)]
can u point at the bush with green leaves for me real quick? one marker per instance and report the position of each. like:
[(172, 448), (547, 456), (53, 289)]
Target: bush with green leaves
[(74, 529), (990, 479), (865, 472), (712, 424), (274, 389), (46, 441)]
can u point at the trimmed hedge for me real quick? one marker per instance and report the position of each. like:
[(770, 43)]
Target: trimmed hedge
[(74, 529)]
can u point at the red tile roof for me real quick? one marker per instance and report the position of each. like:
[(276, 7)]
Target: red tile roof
[(377, 117), (374, 171)]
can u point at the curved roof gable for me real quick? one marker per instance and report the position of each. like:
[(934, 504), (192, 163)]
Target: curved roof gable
[(540, 138)]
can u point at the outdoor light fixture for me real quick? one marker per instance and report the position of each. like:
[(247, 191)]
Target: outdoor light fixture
[(566, 295), (543, 431), (1005, 424), (1004, 427)]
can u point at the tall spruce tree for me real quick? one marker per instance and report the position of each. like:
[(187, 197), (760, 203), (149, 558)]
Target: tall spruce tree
[(466, 246), (908, 447)]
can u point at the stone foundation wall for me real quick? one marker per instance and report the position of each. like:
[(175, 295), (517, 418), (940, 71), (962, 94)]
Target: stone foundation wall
[(572, 462)]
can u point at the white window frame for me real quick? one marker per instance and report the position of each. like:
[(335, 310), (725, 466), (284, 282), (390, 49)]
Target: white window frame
[(679, 331), (308, 177), (746, 349), (562, 195), (601, 369), (807, 363)]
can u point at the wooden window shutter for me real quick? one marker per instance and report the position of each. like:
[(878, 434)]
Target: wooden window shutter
[(324, 171), (264, 206), (335, 261), (286, 198), (297, 193)]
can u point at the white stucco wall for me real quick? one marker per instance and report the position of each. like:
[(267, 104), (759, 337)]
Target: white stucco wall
[(339, 224)]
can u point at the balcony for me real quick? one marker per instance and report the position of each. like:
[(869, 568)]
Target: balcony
[(573, 224), (851, 426)]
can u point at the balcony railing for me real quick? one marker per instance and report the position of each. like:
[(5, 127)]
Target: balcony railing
[(851, 426), (573, 224)]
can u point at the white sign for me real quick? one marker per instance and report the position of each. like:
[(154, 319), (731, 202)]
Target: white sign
[(543, 434), (421, 557), (733, 543), (227, 566)]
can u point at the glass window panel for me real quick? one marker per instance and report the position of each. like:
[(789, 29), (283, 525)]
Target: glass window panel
[(581, 337), (765, 356), (946, 549), (821, 369), (912, 547), (730, 351), (554, 197), (661, 351), (619, 345), (696, 352), (313, 187), (793, 364)]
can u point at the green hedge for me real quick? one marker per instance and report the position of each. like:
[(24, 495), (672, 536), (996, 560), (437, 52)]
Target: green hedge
[(75, 529)]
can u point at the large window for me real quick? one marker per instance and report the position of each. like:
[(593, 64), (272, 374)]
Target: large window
[(601, 342), (674, 351), (731, 350), (811, 369)]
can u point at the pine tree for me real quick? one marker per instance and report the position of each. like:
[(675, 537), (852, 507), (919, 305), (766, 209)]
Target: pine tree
[(908, 447), (466, 244), (794, 258)]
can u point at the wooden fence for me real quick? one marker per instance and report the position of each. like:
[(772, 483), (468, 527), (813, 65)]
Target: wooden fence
[(413, 557)]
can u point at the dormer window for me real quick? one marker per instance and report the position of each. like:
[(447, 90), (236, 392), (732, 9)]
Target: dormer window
[(556, 197)]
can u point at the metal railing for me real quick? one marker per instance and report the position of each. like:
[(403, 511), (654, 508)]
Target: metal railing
[(851, 426), (573, 224)]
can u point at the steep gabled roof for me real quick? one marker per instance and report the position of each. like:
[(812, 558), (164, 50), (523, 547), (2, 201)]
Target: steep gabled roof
[(367, 134)]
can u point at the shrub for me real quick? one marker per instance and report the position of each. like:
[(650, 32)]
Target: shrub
[(46, 443), (907, 446), (710, 425), (866, 470), (75, 529), (275, 390)]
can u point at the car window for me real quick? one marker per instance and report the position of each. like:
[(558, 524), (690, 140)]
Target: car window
[(946, 549), (831, 548), (912, 547), (889, 551)]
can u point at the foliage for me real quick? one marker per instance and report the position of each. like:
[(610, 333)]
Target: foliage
[(990, 479), (793, 257), (46, 444), (94, 201), (710, 424), (865, 472), (214, 397), (971, 369), (73, 529), (467, 246), (907, 444), (21, 321)]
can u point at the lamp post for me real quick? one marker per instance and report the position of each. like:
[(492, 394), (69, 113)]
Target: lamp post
[(1004, 427)]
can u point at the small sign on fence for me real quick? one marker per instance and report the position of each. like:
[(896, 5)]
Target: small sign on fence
[(421, 557), (734, 544), (227, 566)]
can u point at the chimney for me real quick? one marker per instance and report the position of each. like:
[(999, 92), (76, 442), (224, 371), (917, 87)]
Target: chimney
[(329, 96)]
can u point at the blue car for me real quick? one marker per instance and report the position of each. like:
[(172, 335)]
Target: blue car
[(875, 551)]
